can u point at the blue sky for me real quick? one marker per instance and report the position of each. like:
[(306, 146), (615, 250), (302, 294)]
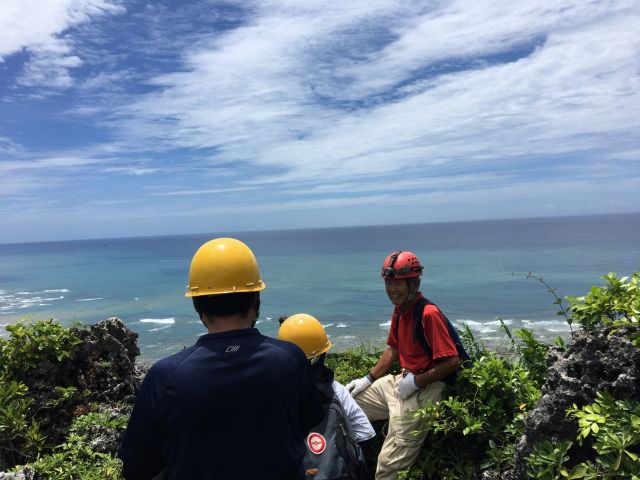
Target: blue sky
[(126, 118)]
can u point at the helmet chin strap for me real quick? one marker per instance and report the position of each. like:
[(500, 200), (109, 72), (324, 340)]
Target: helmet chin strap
[(413, 291)]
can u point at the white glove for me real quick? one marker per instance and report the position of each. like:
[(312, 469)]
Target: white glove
[(407, 386), (356, 386)]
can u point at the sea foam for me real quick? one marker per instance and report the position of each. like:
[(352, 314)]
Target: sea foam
[(158, 320), (160, 328)]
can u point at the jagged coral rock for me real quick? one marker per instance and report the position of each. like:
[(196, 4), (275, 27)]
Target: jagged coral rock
[(595, 361), (26, 473), (104, 364), (101, 367)]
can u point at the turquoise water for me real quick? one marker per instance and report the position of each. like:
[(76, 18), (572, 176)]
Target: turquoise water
[(330, 273)]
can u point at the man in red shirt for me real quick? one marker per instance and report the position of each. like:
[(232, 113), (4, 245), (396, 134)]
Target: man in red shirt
[(392, 397)]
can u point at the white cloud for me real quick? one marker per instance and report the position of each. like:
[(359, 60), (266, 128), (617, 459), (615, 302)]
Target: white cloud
[(624, 155), (38, 28), (209, 191), (509, 199), (463, 30), (130, 170), (49, 65), (247, 92), (345, 107), (48, 163), (8, 147)]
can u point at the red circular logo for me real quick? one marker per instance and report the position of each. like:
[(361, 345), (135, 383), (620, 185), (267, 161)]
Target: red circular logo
[(316, 443)]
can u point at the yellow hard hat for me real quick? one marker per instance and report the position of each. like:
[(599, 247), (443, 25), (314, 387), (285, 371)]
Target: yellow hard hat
[(306, 332), (223, 265)]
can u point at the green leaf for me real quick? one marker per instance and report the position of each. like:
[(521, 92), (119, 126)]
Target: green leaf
[(579, 471)]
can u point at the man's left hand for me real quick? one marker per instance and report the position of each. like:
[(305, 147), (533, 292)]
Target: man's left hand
[(407, 386)]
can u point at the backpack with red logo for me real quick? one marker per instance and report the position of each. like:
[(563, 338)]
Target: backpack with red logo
[(332, 452)]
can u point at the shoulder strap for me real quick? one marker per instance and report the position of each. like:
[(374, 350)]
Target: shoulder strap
[(465, 358), (420, 337), (396, 321), (453, 333), (325, 389), (418, 327)]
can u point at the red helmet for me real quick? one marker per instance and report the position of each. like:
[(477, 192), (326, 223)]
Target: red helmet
[(401, 265)]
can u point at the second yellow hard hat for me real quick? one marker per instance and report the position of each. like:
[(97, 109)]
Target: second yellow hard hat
[(307, 332)]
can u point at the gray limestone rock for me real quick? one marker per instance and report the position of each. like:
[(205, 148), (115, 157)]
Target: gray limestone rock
[(602, 360), (26, 473), (101, 368)]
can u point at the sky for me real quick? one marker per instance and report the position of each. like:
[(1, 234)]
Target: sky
[(125, 118)]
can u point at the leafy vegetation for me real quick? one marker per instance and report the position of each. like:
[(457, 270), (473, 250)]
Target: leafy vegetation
[(354, 363), (530, 353), (476, 424), (20, 435), (76, 459), (32, 343), (616, 304), (33, 350), (612, 428)]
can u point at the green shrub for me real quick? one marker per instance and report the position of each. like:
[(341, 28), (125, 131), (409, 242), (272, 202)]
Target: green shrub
[(547, 460), (475, 426), (617, 303), (20, 436), (530, 352), (85, 424), (613, 430), (353, 363), (75, 459), (31, 343)]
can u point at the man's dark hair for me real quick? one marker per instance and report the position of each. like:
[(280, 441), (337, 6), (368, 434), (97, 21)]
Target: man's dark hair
[(227, 304)]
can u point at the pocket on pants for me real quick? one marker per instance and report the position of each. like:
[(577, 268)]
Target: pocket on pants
[(409, 431), (407, 439)]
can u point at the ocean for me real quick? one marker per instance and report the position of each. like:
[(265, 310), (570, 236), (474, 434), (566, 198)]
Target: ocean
[(475, 271)]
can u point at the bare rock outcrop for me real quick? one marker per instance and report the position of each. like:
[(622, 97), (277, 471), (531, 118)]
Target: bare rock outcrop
[(104, 363), (101, 368), (596, 361), (26, 473)]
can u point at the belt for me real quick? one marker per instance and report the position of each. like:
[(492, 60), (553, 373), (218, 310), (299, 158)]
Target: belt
[(406, 372)]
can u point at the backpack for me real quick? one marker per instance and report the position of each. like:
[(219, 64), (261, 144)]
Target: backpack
[(419, 336), (332, 451)]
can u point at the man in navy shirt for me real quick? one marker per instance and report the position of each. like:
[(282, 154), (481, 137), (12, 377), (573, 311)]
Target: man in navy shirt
[(237, 404)]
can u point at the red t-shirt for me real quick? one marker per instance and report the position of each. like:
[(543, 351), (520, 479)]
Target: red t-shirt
[(412, 356)]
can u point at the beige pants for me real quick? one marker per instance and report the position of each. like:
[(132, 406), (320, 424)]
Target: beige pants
[(381, 401)]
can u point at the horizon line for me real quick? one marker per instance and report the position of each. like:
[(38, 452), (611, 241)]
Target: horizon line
[(336, 227)]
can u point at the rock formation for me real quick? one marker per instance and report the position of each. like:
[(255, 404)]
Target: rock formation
[(103, 371), (601, 360)]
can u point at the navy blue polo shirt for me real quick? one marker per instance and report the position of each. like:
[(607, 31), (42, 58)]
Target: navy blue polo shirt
[(236, 405)]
